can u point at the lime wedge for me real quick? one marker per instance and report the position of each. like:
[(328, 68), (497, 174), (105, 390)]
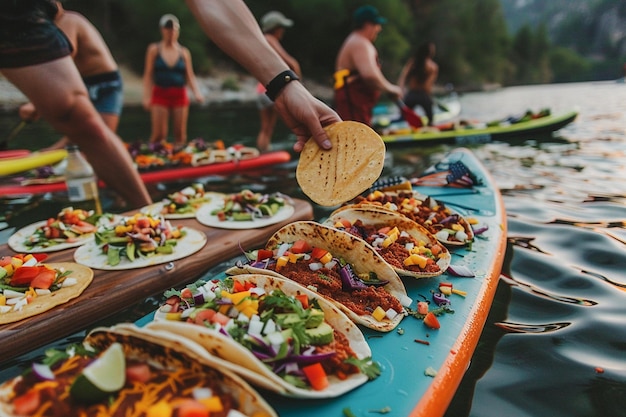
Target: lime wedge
[(102, 377)]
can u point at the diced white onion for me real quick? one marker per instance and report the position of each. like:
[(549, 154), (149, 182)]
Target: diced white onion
[(5, 309), (282, 249), (69, 282), (409, 246), (312, 287), (461, 236), (186, 313), (391, 314), (13, 294), (21, 303), (255, 327), (15, 300), (40, 291), (202, 393), (243, 318), (442, 235), (405, 300), (404, 234), (30, 262), (276, 338), (314, 266), (257, 291), (330, 265), (270, 327)]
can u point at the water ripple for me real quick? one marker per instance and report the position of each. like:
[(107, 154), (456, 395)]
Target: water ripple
[(511, 327)]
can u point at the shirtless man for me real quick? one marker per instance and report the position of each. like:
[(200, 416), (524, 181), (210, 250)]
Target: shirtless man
[(96, 66), (420, 73), (358, 78)]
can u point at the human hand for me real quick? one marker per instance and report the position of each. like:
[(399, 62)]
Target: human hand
[(305, 115), (395, 92), (28, 112), (146, 104)]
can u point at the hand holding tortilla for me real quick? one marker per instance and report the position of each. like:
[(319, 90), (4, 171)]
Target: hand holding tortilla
[(70, 228), (138, 241), (448, 226), (272, 332), (355, 161), (30, 287), (338, 266), (408, 247), (127, 371)]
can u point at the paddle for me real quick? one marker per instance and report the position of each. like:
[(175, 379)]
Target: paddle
[(409, 115), (12, 134)]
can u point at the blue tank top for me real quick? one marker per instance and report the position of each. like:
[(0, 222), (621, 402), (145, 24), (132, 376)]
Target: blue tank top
[(166, 76)]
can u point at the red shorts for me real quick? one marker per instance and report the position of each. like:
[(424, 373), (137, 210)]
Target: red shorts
[(169, 96)]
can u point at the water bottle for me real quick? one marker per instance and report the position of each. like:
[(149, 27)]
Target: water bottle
[(82, 185)]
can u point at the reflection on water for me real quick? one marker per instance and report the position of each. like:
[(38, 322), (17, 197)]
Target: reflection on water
[(554, 342)]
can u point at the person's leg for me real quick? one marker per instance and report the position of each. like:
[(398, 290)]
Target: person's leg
[(159, 116), (58, 92), (111, 120), (268, 121), (180, 115)]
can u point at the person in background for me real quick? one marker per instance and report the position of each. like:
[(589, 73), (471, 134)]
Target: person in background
[(273, 25), (359, 80), (35, 56), (167, 73), (304, 114), (97, 67), (420, 73)]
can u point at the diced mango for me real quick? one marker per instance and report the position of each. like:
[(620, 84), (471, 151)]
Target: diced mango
[(415, 259), (160, 409), (457, 227), (378, 313), (281, 261), (326, 258), (238, 297)]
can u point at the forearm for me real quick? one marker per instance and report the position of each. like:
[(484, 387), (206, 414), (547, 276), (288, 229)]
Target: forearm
[(231, 25)]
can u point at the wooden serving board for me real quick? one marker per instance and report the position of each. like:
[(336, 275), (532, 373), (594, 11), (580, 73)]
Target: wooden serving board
[(113, 291)]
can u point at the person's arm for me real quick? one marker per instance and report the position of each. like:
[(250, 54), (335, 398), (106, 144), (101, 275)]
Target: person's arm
[(191, 77), (366, 62), (289, 60), (404, 73), (231, 25), (148, 75)]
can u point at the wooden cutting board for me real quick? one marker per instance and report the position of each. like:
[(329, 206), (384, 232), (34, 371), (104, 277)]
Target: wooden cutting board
[(113, 291)]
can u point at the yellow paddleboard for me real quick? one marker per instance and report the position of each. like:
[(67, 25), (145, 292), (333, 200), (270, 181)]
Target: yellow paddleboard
[(10, 166)]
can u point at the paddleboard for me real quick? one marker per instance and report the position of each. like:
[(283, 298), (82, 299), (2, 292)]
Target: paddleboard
[(14, 153), (478, 135), (17, 164), (165, 175), (422, 367)]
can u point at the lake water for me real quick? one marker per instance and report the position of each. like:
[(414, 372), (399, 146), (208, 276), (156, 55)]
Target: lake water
[(555, 341)]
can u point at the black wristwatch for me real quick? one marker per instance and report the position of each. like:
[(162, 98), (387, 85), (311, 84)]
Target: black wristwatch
[(279, 82)]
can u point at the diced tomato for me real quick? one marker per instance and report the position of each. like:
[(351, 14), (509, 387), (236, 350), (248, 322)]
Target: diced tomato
[(40, 256), (45, 279), (238, 286), (186, 293), (139, 373), (317, 253), (264, 254), (431, 321), (27, 403), (23, 276), (204, 315), (192, 408), (5, 260), (346, 223), (304, 300), (316, 376), (50, 221), (384, 230), (220, 318), (143, 222), (300, 246)]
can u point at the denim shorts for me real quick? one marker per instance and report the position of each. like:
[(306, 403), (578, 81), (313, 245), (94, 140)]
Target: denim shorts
[(106, 92)]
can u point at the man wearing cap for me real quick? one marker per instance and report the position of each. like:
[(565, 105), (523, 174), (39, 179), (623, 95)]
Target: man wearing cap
[(358, 78), (273, 25)]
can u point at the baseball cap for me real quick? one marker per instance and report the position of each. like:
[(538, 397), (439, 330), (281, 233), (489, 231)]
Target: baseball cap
[(169, 21), (273, 20), (368, 14)]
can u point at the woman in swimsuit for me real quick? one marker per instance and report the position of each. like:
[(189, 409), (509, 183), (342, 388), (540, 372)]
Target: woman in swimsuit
[(167, 73)]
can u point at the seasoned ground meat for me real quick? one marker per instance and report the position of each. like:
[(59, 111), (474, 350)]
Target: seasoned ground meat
[(328, 283)]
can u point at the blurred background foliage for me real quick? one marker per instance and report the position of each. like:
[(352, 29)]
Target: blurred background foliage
[(479, 42)]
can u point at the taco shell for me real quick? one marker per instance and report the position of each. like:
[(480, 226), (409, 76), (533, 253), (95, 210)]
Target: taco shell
[(160, 351), (241, 360), (382, 218), (355, 161), (343, 245)]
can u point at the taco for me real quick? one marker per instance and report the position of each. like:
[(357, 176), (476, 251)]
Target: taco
[(447, 225), (29, 287), (408, 247), (129, 372), (340, 267), (274, 333)]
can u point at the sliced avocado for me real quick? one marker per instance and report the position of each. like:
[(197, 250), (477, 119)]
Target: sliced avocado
[(130, 251), (321, 335), (316, 317), (242, 216), (113, 256), (165, 249), (288, 320)]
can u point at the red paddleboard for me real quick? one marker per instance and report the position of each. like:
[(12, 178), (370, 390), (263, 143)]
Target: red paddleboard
[(14, 153), (165, 175)]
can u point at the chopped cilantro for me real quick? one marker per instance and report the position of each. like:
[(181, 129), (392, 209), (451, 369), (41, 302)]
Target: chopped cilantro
[(367, 366)]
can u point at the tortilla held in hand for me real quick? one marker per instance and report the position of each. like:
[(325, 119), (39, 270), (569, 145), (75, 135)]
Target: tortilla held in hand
[(355, 161)]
